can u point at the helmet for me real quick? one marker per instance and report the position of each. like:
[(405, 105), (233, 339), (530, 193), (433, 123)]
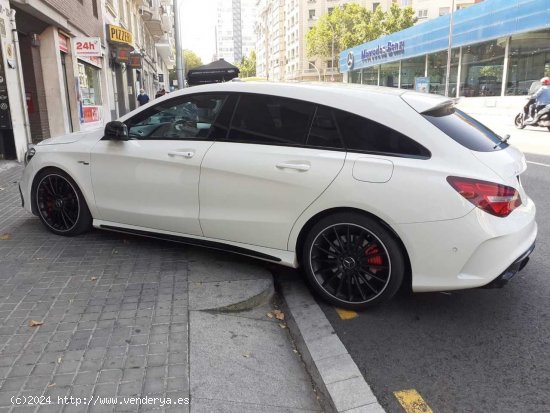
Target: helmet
[(545, 81)]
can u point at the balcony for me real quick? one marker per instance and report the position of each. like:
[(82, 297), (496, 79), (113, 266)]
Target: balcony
[(152, 19), (165, 47)]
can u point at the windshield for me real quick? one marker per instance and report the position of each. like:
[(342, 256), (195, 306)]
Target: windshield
[(465, 130)]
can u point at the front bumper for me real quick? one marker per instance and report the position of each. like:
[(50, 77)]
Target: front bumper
[(512, 270)]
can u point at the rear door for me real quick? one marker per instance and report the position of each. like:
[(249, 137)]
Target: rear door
[(272, 158)]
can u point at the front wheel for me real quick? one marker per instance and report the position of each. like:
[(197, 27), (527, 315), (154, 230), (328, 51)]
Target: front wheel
[(352, 261), (60, 204), (518, 121)]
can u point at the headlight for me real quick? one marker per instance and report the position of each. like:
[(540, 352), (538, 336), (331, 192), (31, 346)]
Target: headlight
[(29, 154)]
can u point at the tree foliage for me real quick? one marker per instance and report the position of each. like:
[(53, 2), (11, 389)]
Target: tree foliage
[(353, 24), (247, 66)]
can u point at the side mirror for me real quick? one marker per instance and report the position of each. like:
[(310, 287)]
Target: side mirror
[(116, 131)]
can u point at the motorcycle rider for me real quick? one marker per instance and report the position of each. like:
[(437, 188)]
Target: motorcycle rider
[(538, 101)]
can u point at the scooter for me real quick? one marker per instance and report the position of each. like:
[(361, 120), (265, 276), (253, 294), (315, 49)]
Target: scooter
[(541, 118)]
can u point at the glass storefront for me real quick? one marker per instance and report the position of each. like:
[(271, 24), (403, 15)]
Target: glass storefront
[(370, 76), (481, 72), (528, 62), (389, 74), (90, 93), (437, 71), (410, 69), (355, 76), (482, 69)]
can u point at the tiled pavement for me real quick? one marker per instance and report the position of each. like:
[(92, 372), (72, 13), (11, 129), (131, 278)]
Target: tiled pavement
[(114, 310), (117, 323)]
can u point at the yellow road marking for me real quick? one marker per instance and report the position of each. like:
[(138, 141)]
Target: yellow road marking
[(346, 314), (412, 401)]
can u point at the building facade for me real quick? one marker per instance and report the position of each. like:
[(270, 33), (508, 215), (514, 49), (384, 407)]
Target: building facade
[(499, 48), (75, 65), (282, 25), (235, 29)]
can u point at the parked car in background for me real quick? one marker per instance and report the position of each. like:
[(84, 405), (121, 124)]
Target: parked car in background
[(364, 188)]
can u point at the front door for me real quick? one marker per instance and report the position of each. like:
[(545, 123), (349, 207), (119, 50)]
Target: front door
[(151, 180)]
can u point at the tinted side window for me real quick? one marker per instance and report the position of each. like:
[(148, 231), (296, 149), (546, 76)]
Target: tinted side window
[(271, 120), (365, 135), (186, 117), (220, 128), (465, 130), (324, 132)]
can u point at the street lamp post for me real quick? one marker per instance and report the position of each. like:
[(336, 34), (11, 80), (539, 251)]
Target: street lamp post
[(447, 77), (318, 73)]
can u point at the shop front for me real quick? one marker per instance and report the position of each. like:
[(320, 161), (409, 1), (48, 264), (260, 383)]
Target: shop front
[(120, 43), (499, 48)]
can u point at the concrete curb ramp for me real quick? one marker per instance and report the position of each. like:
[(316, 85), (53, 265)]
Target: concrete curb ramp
[(334, 372)]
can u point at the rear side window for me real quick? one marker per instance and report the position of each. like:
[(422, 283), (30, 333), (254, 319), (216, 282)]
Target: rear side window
[(365, 135), (271, 120), (465, 130), (324, 132)]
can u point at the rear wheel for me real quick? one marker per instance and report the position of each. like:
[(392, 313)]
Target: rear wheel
[(60, 204), (352, 261), (518, 121)]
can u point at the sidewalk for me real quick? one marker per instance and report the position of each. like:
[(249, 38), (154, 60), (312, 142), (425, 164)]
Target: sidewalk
[(130, 317)]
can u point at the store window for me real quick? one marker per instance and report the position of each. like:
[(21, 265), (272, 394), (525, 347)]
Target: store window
[(410, 69), (90, 93), (355, 76), (437, 72), (370, 76), (528, 62), (389, 74), (482, 68)]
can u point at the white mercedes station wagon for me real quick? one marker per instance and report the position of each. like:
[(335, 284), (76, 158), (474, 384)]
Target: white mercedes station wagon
[(364, 188)]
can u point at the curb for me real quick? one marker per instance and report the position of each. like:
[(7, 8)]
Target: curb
[(332, 369)]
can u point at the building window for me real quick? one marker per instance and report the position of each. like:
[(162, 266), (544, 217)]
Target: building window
[(370, 76), (389, 74), (94, 8), (423, 14), (330, 10), (375, 5), (482, 68), (90, 93), (444, 10), (528, 62), (311, 14), (411, 69), (437, 72)]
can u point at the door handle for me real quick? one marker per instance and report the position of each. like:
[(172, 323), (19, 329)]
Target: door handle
[(302, 167), (185, 154)]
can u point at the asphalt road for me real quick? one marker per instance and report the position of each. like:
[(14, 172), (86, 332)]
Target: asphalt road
[(469, 351)]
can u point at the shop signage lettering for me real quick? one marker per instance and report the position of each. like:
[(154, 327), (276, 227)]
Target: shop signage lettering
[(87, 46), (383, 51), (63, 43), (119, 35), (135, 61), (123, 54)]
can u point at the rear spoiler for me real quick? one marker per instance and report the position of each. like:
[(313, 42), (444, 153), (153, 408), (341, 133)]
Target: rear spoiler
[(425, 103)]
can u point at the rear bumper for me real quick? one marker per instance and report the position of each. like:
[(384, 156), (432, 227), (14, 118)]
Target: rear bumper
[(469, 252), (512, 270)]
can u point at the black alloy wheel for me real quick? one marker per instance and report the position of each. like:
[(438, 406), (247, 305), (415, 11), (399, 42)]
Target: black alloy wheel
[(353, 261), (60, 204)]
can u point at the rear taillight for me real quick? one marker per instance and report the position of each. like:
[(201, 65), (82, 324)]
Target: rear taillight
[(496, 199)]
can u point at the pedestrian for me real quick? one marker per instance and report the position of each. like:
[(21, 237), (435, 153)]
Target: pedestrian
[(160, 93), (142, 98)]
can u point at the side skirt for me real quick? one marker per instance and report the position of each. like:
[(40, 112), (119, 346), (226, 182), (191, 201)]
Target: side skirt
[(289, 261)]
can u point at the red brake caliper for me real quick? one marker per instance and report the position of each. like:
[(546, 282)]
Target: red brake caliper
[(372, 252)]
